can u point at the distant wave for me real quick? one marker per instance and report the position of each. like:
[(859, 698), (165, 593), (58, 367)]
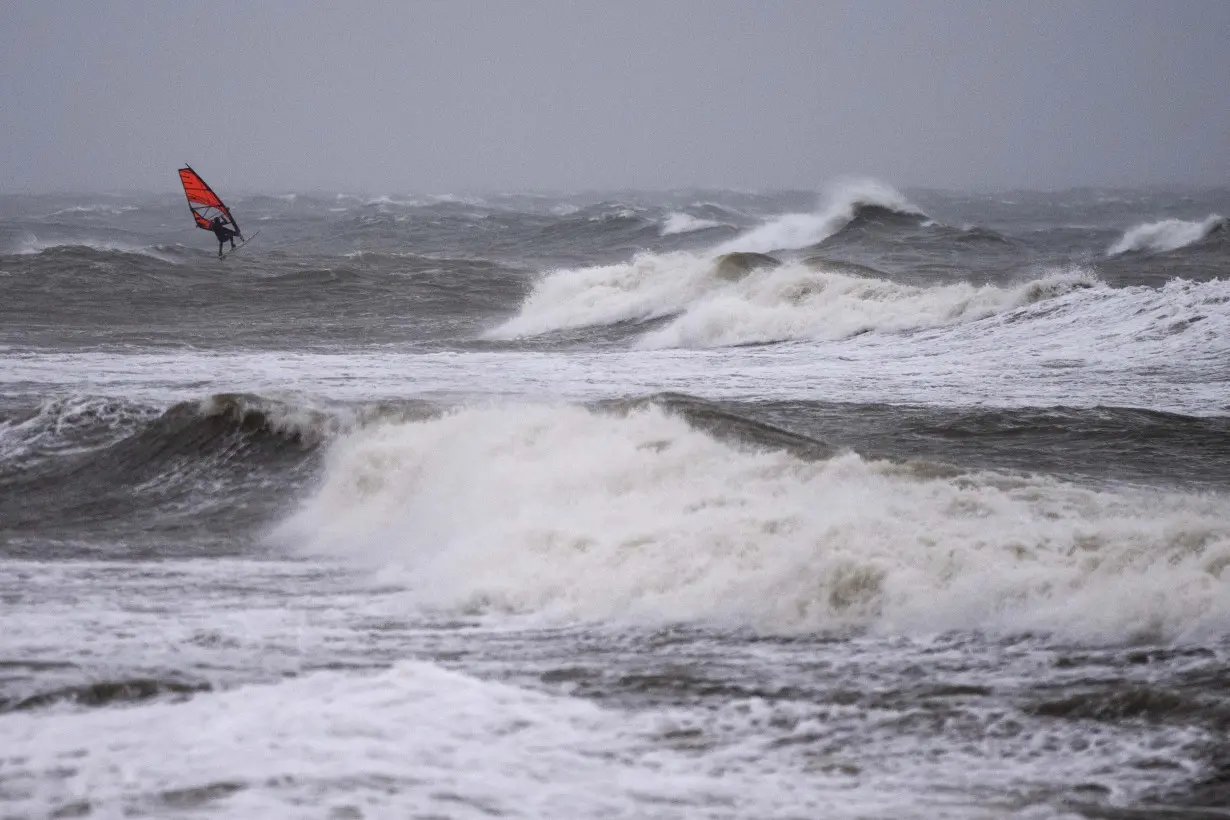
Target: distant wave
[(678, 222), (104, 210), (1167, 235), (842, 205), (32, 245), (717, 304), (565, 512), (386, 200), (798, 302)]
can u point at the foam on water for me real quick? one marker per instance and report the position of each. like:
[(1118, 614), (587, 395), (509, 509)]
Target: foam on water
[(791, 302), (386, 201), (798, 302), (419, 740), (416, 738), (255, 729), (678, 222), (1166, 235), (1084, 348), (92, 210), (649, 286), (69, 424), (387, 734), (570, 514)]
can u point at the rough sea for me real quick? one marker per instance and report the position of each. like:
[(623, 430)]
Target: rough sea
[(857, 503)]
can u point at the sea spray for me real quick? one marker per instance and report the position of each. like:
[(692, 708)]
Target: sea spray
[(841, 204), (568, 513), (1166, 235)]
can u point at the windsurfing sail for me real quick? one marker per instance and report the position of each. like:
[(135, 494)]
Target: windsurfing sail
[(203, 202)]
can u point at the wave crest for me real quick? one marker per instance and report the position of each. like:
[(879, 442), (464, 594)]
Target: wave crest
[(650, 286), (842, 204), (1167, 235)]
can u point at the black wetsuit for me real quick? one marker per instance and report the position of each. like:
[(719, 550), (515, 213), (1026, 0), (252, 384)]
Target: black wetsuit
[(223, 233)]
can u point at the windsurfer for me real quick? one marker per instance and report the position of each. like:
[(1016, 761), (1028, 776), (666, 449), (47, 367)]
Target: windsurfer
[(218, 226)]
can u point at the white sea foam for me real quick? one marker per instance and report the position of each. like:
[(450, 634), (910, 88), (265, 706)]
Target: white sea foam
[(385, 201), (678, 222), (1167, 235), (570, 514), (103, 210), (457, 199), (1158, 348), (650, 285), (57, 426), (31, 245), (840, 206), (791, 302), (795, 302), (415, 740)]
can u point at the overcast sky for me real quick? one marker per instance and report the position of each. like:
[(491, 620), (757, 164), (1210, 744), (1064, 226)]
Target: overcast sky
[(455, 96)]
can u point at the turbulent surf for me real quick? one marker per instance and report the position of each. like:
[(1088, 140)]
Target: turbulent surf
[(851, 503)]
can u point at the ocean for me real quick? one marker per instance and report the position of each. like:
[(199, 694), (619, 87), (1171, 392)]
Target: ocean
[(851, 503)]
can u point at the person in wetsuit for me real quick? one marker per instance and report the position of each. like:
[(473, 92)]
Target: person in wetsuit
[(218, 226)]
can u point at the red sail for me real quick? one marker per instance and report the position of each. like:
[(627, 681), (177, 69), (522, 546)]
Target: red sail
[(203, 202)]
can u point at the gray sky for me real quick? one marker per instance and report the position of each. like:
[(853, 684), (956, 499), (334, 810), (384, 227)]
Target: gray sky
[(279, 96)]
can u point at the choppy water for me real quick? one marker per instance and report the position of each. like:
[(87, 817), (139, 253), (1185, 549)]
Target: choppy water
[(692, 504)]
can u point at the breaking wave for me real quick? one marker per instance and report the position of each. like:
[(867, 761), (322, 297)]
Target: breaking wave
[(1167, 235), (796, 302), (649, 286), (793, 301), (842, 205), (84, 461), (568, 513)]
